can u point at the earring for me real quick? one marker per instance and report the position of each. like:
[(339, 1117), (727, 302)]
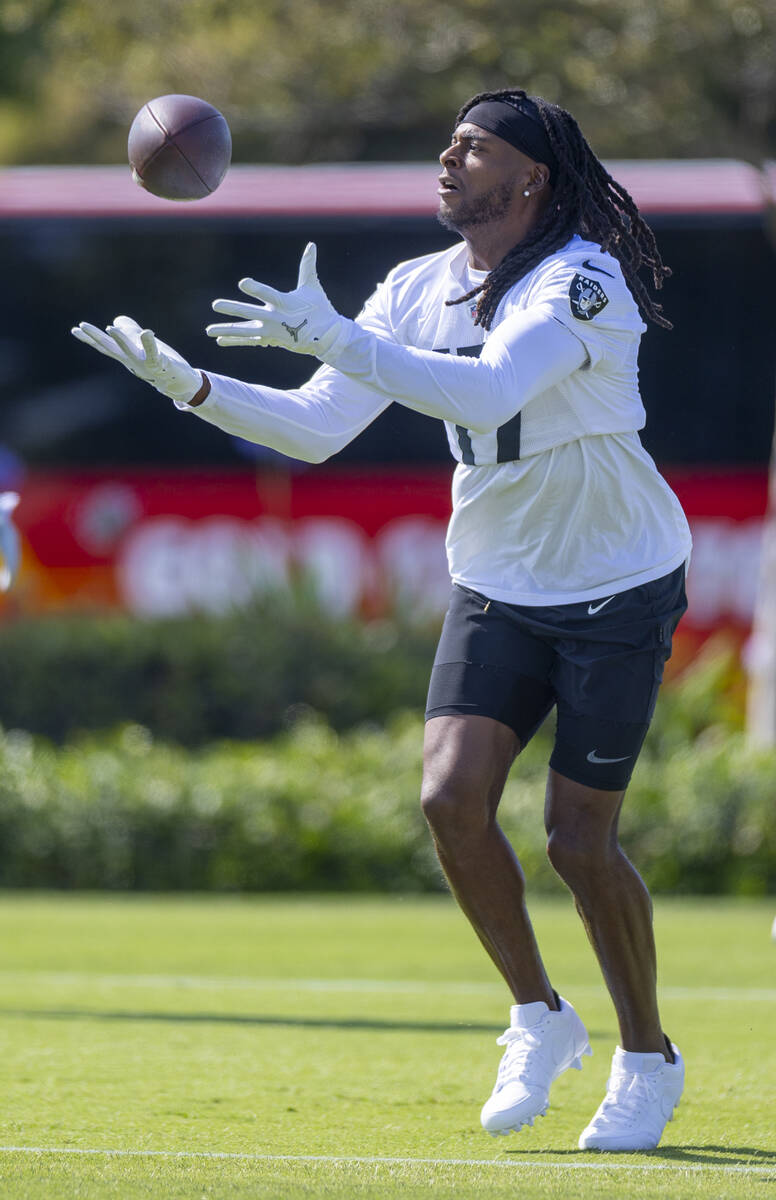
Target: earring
[(526, 192)]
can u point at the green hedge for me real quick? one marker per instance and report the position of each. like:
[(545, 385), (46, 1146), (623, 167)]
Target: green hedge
[(191, 680), (329, 802), (314, 810), (309, 810)]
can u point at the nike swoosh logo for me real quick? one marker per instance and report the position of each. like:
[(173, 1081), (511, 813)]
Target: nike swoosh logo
[(593, 758), (597, 607), (586, 263)]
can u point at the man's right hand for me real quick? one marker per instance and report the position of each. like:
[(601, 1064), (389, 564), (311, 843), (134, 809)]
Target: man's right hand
[(142, 353)]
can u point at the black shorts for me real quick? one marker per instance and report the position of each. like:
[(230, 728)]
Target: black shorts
[(600, 663)]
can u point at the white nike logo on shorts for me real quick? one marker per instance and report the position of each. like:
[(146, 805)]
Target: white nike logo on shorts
[(593, 758), (591, 609)]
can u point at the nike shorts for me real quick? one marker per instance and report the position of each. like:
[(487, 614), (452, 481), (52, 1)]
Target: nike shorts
[(598, 663)]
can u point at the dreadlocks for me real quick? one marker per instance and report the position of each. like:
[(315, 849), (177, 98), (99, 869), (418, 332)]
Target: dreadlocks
[(586, 200)]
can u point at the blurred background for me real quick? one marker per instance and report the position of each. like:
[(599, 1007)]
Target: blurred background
[(179, 587)]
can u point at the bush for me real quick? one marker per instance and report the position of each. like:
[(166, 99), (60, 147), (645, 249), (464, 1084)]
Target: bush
[(195, 679), (314, 810), (308, 811), (321, 806)]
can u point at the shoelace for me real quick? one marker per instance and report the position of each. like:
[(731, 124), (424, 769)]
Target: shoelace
[(626, 1094), (516, 1063)]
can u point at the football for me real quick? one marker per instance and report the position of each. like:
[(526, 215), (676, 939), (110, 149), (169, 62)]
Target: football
[(179, 147)]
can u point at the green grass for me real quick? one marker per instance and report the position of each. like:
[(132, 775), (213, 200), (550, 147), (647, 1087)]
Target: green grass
[(343, 1048)]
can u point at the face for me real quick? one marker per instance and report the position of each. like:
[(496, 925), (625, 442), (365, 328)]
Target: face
[(482, 179)]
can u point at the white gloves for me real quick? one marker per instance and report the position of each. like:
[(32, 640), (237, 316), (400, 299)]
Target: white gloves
[(144, 355), (303, 320)]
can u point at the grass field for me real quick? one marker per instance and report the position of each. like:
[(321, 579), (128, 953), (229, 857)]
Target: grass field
[(264, 1047)]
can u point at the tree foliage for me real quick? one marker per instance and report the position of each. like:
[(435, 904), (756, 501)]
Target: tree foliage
[(307, 80)]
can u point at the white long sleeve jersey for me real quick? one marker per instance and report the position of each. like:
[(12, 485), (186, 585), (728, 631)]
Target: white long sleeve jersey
[(554, 498)]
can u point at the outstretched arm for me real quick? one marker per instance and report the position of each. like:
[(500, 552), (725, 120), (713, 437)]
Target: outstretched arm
[(309, 423), (525, 355), (529, 352)]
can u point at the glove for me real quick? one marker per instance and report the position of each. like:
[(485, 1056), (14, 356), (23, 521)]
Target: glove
[(9, 540), (141, 352), (303, 320)]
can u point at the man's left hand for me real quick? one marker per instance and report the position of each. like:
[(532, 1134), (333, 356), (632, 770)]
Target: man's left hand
[(303, 320)]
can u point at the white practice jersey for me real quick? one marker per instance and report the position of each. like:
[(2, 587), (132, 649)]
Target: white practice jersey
[(554, 498)]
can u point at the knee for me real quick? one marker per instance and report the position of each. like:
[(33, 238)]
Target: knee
[(581, 826), (450, 806), (576, 856)]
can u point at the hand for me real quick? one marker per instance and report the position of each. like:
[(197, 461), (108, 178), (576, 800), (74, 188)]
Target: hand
[(303, 320), (141, 352)]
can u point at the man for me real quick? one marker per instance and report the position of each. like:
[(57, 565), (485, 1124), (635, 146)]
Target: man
[(565, 546)]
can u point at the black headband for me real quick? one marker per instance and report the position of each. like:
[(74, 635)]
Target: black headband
[(520, 126)]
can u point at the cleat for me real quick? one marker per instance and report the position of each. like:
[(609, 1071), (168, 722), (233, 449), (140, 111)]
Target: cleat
[(641, 1096), (540, 1045), (577, 1063)]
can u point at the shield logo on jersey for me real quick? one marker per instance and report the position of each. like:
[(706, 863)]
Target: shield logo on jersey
[(587, 298)]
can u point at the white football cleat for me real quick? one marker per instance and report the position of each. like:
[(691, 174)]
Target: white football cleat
[(540, 1045), (642, 1093)]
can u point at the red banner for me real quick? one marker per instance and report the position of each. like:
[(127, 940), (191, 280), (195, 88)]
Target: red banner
[(155, 543)]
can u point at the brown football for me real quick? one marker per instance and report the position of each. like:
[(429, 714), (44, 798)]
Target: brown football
[(179, 147)]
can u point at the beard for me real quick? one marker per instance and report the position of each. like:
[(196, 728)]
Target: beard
[(490, 206)]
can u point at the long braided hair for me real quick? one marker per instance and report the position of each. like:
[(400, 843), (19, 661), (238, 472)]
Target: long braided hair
[(586, 200)]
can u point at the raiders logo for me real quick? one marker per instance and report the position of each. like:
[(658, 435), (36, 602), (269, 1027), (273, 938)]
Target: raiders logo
[(586, 297)]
